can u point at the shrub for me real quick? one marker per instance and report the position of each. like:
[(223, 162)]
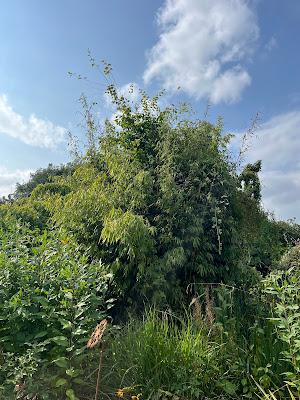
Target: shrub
[(51, 298), (291, 259), (283, 293)]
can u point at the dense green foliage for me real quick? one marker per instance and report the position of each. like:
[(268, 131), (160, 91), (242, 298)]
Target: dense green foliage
[(42, 176), (156, 214), (51, 297), (283, 287)]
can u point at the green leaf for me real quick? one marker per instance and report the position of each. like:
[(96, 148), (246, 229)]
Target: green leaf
[(61, 362), (65, 323), (228, 387), (61, 341), (41, 334), (70, 394), (61, 382)]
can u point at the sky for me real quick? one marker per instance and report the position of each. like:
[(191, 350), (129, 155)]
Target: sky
[(239, 56)]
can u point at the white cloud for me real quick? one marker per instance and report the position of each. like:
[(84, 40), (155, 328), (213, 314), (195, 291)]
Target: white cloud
[(277, 144), (131, 91), (201, 47), (278, 141), (281, 193), (230, 85), (8, 179), (33, 131)]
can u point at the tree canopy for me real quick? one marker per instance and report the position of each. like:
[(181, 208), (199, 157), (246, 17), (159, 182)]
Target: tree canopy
[(159, 199)]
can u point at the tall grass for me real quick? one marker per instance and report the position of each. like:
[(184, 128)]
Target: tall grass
[(279, 394), (166, 354)]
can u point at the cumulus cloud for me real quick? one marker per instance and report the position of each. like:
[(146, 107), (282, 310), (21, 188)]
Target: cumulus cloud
[(277, 144), (8, 179), (32, 131), (201, 47)]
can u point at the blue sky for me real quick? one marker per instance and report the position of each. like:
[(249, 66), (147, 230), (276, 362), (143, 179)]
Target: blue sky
[(241, 57)]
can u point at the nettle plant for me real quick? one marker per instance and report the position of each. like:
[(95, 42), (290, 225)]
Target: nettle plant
[(283, 290), (51, 298)]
